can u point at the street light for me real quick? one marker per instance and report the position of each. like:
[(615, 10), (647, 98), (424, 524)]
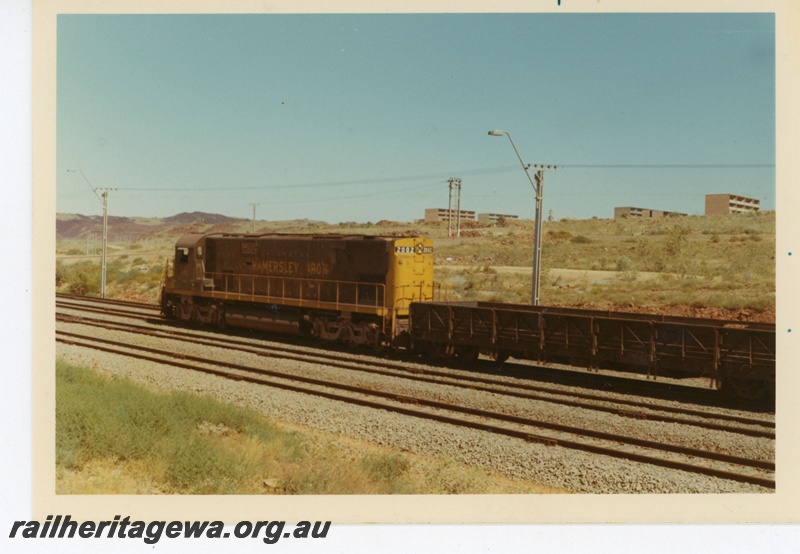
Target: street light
[(538, 187), (104, 201)]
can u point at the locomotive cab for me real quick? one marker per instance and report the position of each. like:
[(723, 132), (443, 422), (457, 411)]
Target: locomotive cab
[(187, 268)]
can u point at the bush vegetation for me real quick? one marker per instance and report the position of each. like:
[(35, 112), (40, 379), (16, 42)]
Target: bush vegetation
[(83, 278)]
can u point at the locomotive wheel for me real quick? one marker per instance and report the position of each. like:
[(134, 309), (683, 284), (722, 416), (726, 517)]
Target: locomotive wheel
[(374, 340), (350, 338), (220, 317)]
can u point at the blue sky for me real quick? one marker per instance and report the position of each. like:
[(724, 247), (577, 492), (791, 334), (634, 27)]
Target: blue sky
[(365, 117)]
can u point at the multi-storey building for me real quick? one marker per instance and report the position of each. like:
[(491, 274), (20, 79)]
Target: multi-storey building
[(442, 214), (629, 211), (494, 218), (730, 203)]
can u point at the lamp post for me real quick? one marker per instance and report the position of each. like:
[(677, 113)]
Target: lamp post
[(104, 201), (538, 187)]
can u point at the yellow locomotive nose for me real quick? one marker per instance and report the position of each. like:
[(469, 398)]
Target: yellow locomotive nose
[(410, 274)]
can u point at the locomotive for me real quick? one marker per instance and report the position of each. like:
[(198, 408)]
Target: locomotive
[(355, 289)]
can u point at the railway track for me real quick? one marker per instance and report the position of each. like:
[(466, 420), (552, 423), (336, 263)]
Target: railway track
[(107, 302), (640, 410), (107, 309), (724, 466)]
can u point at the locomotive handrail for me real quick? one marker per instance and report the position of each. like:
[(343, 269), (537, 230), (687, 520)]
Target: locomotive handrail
[(302, 291)]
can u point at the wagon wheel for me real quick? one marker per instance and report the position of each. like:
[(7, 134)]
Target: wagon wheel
[(747, 389), (501, 356), (439, 350), (467, 354)]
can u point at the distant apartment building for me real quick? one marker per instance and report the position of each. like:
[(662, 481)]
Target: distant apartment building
[(494, 218), (730, 203), (442, 214), (628, 211)]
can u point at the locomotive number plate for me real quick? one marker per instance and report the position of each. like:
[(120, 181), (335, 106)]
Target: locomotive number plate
[(418, 249)]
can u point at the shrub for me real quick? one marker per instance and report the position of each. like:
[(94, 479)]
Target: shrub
[(85, 280), (386, 467), (559, 236), (624, 263)]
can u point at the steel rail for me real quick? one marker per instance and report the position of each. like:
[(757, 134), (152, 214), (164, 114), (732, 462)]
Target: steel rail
[(101, 310), (143, 305)]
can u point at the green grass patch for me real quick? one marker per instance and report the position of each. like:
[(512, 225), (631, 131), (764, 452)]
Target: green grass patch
[(101, 418), (116, 436)]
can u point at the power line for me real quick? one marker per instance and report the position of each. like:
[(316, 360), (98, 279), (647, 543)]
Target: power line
[(442, 176), (359, 182), (668, 166)]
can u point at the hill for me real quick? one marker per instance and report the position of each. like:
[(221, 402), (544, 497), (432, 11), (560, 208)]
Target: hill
[(76, 226)]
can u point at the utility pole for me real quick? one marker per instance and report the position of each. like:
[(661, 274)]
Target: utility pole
[(537, 243), (450, 209), (454, 183), (254, 204), (104, 200), (105, 241), (458, 208), (254, 216)]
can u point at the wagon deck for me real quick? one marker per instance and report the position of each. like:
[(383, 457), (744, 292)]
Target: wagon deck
[(740, 353)]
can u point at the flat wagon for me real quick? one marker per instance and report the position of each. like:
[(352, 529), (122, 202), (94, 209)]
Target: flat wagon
[(735, 356)]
